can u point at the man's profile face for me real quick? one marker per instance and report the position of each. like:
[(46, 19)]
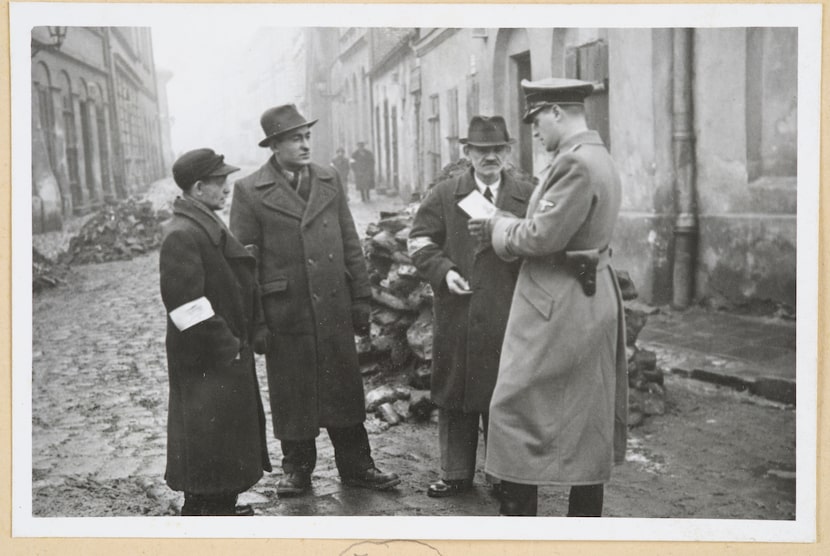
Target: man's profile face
[(488, 162), (213, 191), (547, 127), (294, 150)]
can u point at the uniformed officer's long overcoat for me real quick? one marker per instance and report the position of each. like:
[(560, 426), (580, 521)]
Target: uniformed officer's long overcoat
[(558, 413), (311, 269), (468, 329), (215, 423)]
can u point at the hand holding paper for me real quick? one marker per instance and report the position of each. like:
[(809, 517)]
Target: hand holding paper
[(476, 206)]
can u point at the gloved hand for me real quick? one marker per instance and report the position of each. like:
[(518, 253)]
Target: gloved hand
[(262, 340), (361, 315)]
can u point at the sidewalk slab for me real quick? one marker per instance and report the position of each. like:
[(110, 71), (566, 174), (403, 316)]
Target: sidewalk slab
[(757, 354)]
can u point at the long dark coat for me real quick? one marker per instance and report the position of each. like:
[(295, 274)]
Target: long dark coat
[(558, 413), (468, 330), (216, 424), (311, 270), (363, 166)]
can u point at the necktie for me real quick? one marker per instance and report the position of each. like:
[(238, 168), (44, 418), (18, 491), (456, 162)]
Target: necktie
[(488, 194)]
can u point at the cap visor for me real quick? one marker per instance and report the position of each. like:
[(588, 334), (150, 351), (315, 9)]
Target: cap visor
[(224, 170)]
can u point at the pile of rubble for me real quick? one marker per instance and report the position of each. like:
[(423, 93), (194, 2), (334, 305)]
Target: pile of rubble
[(46, 273), (401, 331), (118, 231), (646, 394)]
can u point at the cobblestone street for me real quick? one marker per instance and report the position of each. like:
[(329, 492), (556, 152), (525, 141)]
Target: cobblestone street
[(99, 406)]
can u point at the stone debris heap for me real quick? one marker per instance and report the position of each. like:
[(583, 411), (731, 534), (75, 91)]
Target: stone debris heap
[(46, 273), (646, 394), (400, 341), (118, 231)]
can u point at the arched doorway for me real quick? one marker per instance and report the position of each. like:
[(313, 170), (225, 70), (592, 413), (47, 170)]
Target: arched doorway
[(512, 63)]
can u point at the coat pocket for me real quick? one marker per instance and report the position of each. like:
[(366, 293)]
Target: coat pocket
[(274, 286), (538, 298)]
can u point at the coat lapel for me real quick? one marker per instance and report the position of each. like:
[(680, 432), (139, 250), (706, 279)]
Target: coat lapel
[(323, 192), (277, 193), (231, 248), (511, 199)]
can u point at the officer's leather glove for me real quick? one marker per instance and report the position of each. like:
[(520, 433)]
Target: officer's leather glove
[(262, 340), (361, 315)]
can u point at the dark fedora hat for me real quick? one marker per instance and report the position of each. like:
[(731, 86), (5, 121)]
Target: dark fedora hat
[(553, 90), (280, 120), (487, 131), (199, 164)]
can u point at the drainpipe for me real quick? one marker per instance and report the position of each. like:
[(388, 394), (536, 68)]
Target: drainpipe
[(683, 151)]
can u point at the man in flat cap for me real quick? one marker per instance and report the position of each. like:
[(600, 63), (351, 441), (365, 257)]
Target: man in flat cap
[(315, 297), (216, 424), (473, 288), (558, 413)]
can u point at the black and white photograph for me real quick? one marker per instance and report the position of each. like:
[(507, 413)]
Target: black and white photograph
[(561, 265)]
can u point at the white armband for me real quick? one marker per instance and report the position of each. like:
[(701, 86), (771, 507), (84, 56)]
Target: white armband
[(191, 313), (415, 244)]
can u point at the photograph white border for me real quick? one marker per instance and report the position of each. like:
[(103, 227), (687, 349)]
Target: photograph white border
[(807, 17)]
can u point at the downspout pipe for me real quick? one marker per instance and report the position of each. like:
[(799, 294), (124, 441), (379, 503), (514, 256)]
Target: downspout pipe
[(686, 228)]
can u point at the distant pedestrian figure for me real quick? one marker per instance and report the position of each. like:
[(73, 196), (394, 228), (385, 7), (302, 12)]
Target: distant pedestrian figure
[(363, 166), (216, 424), (341, 164)]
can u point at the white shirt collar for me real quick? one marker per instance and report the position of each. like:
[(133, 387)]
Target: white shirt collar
[(494, 187)]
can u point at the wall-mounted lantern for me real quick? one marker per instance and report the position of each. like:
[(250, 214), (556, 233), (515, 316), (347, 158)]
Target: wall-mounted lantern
[(56, 36)]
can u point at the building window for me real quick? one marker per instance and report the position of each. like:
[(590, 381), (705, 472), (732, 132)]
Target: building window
[(103, 149), (589, 62), (771, 103), (452, 122), (472, 96), (434, 136), (72, 150)]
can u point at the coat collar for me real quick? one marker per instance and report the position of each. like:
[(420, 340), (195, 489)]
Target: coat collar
[(508, 191), (587, 137), (278, 194), (213, 228)]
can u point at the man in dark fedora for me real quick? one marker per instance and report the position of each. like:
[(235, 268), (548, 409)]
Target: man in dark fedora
[(472, 289), (216, 424), (558, 413), (315, 297)]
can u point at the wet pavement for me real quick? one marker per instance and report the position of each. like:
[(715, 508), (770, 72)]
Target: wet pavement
[(99, 405)]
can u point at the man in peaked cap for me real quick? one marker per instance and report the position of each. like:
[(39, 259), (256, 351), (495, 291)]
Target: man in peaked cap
[(473, 288), (558, 412), (216, 424), (315, 297)]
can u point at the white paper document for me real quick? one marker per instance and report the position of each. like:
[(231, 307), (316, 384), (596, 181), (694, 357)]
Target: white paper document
[(476, 206)]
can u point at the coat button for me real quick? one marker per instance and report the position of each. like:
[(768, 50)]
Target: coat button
[(331, 256), (325, 223), (310, 261)]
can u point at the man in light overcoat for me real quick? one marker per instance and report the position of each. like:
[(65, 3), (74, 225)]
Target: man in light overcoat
[(216, 424), (473, 288), (558, 413), (315, 297)]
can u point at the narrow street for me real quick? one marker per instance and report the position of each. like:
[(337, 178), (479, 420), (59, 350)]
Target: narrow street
[(99, 407)]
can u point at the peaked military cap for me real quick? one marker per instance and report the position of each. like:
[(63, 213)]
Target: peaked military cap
[(280, 120), (487, 131), (199, 164), (553, 90)]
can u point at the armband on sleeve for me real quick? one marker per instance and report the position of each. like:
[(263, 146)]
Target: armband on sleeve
[(191, 313)]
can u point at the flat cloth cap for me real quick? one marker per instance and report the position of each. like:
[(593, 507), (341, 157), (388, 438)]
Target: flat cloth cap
[(553, 90), (199, 164)]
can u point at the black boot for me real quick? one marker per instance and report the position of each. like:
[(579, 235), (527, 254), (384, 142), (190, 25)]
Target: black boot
[(585, 501), (518, 500)]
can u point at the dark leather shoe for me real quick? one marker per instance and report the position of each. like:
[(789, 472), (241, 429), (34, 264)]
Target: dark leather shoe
[(372, 478), (294, 484), (450, 487), (243, 510)]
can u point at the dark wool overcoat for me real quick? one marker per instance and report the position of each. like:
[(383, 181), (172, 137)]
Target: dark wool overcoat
[(558, 413), (468, 329), (311, 270), (215, 423), (363, 166)]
